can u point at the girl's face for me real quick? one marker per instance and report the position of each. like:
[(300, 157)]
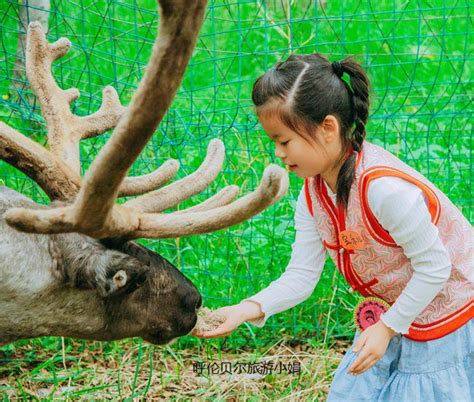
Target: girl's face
[(305, 159)]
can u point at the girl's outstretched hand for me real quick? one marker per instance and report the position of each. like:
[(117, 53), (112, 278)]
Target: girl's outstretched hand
[(372, 345), (234, 316)]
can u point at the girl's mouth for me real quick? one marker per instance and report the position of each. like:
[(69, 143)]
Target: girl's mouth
[(292, 167)]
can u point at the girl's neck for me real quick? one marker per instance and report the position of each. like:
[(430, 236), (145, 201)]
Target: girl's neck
[(330, 177), (331, 183)]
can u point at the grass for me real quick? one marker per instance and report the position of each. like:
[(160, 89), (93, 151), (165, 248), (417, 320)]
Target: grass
[(419, 61), (133, 370)]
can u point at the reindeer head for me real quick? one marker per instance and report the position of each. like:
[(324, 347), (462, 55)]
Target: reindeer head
[(149, 298), (91, 209)]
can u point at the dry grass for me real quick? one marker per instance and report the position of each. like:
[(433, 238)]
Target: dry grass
[(208, 320), (142, 371)]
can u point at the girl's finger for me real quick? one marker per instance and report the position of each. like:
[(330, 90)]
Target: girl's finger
[(359, 343), (217, 336), (199, 334), (359, 361), (219, 331), (365, 365), (196, 332), (223, 335)]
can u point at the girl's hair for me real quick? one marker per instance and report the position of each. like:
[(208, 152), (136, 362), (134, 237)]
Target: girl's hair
[(304, 89)]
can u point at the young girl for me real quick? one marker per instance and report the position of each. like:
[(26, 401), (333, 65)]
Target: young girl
[(394, 236)]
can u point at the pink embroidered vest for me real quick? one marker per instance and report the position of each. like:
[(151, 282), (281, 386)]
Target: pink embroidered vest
[(374, 265)]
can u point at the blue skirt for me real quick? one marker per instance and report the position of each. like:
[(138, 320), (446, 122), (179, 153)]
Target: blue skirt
[(438, 370)]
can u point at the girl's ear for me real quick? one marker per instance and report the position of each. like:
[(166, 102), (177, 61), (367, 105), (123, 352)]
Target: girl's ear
[(330, 128)]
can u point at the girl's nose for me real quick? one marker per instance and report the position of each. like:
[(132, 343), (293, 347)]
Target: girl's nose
[(279, 153)]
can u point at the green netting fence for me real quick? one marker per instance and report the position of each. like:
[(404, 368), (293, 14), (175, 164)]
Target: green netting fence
[(418, 55)]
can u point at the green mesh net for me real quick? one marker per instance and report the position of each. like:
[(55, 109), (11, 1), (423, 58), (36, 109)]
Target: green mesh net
[(417, 55)]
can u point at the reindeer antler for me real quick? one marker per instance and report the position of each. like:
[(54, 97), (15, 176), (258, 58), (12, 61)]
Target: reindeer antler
[(94, 211), (65, 130)]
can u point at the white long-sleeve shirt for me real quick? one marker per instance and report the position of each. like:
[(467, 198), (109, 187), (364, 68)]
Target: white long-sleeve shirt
[(400, 208)]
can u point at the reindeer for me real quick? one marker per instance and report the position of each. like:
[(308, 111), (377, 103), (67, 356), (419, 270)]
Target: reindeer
[(73, 268)]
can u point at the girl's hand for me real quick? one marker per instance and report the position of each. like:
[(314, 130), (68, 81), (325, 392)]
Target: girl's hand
[(372, 344), (235, 315)]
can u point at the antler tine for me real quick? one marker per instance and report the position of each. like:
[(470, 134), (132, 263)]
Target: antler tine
[(65, 130), (106, 118), (93, 211), (56, 178), (223, 197), (142, 184), (185, 188), (124, 223), (53, 100), (273, 186)]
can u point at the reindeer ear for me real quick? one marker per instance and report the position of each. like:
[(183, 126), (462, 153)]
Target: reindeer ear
[(124, 279), (120, 279)]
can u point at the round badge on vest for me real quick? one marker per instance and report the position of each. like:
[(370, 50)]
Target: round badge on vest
[(368, 312), (351, 240)]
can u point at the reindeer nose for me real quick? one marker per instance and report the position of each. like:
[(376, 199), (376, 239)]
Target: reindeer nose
[(198, 303), (198, 306), (192, 301)]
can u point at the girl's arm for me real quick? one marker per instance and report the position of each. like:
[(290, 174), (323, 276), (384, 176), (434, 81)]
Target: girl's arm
[(302, 274), (400, 208), (295, 285)]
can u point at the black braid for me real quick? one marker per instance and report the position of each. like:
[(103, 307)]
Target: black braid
[(360, 88), (360, 99)]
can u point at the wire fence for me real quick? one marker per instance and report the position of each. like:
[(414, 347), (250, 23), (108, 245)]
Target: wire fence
[(418, 56)]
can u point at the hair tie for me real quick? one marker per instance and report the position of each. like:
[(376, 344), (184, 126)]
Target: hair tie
[(337, 68)]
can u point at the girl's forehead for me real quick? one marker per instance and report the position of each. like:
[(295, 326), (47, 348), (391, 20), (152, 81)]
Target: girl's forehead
[(276, 129), (273, 125)]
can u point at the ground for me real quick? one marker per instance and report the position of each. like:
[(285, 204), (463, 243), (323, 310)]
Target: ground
[(134, 369)]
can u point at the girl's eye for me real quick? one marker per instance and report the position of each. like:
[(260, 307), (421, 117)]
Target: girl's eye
[(285, 142)]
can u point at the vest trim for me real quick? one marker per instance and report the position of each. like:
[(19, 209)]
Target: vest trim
[(442, 327), (337, 216), (373, 226), (308, 197)]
